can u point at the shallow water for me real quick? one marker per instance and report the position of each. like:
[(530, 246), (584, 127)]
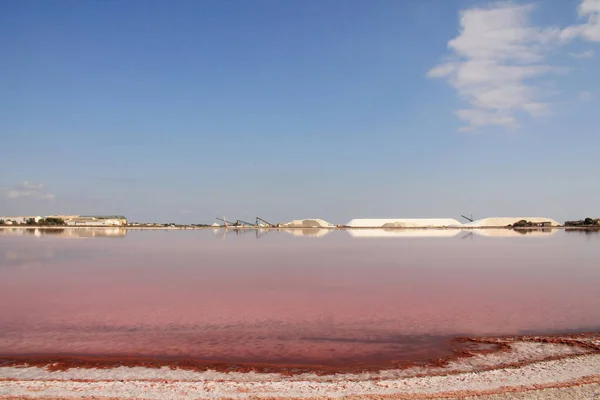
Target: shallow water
[(362, 297)]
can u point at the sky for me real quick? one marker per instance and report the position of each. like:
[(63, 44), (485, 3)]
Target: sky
[(182, 111)]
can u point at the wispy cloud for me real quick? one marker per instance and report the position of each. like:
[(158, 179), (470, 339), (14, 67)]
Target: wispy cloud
[(584, 54), (589, 30), (494, 59), (121, 179), (586, 96), (30, 190), (498, 62)]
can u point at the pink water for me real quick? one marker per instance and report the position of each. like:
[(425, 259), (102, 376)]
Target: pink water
[(331, 300)]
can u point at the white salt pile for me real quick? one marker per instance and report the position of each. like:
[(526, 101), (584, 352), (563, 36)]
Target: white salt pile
[(308, 223)]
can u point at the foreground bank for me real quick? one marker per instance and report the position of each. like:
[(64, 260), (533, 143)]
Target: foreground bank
[(530, 367)]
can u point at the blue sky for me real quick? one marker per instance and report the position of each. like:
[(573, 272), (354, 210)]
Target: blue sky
[(186, 110)]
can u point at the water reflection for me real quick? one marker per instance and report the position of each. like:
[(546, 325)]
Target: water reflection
[(402, 233), (25, 259), (119, 232), (587, 232), (515, 232), (222, 233), (311, 232), (449, 233), (68, 233), (286, 299)]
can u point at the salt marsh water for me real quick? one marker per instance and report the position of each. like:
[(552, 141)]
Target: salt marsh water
[(304, 297)]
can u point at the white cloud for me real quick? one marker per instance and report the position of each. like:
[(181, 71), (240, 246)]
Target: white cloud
[(30, 190), (498, 62), (495, 57), (589, 30), (584, 54), (586, 96), (478, 118), (442, 70), (31, 186)]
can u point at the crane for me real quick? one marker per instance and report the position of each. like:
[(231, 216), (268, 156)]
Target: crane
[(227, 223), (467, 218), (259, 220), (239, 222)]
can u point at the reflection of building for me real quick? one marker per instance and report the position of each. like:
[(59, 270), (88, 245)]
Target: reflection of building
[(72, 233), (85, 232)]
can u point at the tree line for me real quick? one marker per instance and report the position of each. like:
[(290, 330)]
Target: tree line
[(50, 221)]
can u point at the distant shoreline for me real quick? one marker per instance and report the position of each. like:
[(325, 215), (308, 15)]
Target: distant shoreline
[(190, 227)]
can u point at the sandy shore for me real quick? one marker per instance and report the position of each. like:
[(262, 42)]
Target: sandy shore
[(533, 367)]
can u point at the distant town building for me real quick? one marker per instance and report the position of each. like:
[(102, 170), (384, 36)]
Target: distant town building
[(63, 217), (71, 220), (19, 219), (97, 220)]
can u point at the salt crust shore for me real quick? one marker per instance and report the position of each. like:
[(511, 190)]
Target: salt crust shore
[(527, 368)]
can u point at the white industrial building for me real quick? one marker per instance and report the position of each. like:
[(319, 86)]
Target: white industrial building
[(70, 220), (63, 217), (97, 220)]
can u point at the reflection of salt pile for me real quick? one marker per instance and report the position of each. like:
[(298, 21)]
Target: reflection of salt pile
[(308, 223), (314, 232), (515, 232), (373, 233), (505, 221), (403, 223), (445, 222)]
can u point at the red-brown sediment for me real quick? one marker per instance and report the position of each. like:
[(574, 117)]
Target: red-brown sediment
[(461, 347)]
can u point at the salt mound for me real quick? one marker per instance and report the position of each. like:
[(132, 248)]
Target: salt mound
[(308, 223), (505, 221), (404, 223)]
